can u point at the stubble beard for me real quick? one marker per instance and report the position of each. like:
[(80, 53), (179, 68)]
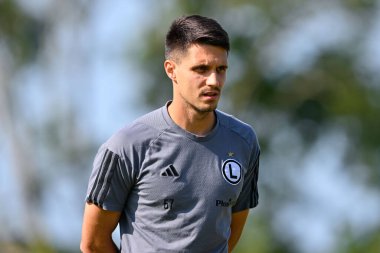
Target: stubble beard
[(203, 110), (199, 106)]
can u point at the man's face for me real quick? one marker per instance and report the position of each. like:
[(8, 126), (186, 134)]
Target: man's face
[(200, 74)]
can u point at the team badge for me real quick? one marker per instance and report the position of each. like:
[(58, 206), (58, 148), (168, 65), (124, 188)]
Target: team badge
[(231, 171)]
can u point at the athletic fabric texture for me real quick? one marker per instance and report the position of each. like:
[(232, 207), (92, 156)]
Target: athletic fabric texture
[(176, 190)]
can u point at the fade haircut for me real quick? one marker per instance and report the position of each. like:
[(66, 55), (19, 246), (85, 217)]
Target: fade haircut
[(195, 29)]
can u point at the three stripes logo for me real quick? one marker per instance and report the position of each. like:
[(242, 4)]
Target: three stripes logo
[(170, 172)]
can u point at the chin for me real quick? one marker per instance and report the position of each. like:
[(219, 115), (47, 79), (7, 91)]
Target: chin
[(207, 108), (203, 107)]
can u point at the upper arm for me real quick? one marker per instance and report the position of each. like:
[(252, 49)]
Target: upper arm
[(98, 225), (237, 224), (238, 221)]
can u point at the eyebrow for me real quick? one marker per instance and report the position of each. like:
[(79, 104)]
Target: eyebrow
[(200, 66), (206, 66)]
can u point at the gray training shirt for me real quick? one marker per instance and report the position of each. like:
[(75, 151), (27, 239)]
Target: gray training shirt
[(176, 190)]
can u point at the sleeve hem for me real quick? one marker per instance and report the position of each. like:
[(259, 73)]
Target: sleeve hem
[(104, 206), (242, 208)]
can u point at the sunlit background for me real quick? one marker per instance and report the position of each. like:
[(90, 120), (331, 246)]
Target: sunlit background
[(305, 74)]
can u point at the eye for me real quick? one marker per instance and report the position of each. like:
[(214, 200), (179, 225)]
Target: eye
[(221, 69), (201, 69)]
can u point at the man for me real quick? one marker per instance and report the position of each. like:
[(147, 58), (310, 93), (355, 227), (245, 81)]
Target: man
[(183, 177)]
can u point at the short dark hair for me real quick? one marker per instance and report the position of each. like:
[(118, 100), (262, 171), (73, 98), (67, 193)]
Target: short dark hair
[(194, 29)]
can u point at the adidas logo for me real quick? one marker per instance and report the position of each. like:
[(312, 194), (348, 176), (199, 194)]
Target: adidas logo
[(170, 172)]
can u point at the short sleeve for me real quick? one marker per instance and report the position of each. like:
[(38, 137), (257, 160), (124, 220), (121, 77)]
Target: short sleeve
[(249, 196), (109, 183)]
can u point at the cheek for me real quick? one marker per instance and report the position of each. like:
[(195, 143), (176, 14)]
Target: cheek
[(192, 81), (222, 78), (200, 80)]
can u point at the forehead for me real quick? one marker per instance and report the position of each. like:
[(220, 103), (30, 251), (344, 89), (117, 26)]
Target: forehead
[(205, 54)]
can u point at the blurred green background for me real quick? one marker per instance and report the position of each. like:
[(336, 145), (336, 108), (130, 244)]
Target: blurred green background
[(305, 74)]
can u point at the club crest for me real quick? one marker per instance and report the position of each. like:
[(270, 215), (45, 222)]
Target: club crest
[(231, 171)]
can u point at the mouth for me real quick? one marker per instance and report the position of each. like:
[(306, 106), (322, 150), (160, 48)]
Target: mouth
[(210, 94)]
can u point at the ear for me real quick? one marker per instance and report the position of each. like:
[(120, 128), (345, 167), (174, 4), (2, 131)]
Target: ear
[(169, 66)]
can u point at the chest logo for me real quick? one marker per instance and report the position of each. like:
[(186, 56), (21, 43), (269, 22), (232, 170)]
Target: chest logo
[(231, 171), (170, 172)]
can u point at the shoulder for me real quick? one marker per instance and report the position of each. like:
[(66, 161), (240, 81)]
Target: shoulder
[(140, 133), (241, 129)]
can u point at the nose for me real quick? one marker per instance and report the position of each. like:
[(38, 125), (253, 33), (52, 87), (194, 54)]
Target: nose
[(214, 79)]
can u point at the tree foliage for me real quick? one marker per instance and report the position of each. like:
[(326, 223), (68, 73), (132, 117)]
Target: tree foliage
[(36, 148)]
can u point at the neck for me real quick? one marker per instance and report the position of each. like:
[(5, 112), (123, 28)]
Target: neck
[(198, 123)]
